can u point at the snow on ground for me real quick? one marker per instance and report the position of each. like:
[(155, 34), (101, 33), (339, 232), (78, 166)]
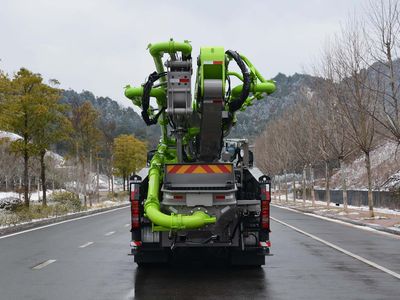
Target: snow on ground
[(34, 195), (333, 205), (384, 218), (8, 194)]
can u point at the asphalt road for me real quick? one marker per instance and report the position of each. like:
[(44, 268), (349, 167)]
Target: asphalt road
[(88, 259)]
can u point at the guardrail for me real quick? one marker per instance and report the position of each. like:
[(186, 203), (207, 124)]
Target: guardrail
[(382, 199)]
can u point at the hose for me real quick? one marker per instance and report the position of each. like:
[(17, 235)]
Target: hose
[(152, 205), (236, 104), (153, 77)]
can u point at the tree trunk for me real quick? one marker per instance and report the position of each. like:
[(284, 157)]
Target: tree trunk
[(312, 184), (43, 176), (78, 180), (89, 178), (370, 195), (327, 184), (279, 187), (38, 187), (286, 188), (112, 186), (6, 182), (84, 183), (124, 181), (294, 187), (344, 184), (304, 185), (98, 180), (26, 178)]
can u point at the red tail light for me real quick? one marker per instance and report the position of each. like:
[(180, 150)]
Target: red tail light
[(135, 206), (265, 200)]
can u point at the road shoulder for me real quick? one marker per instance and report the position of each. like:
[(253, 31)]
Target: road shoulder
[(337, 213), (39, 223)]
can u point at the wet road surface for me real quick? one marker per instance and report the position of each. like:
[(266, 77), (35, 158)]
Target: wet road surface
[(88, 259)]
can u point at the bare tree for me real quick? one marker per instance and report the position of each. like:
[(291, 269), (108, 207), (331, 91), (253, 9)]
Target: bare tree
[(302, 139), (331, 124), (383, 37), (356, 92)]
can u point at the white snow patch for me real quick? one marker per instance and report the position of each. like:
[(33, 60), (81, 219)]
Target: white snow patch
[(9, 135)]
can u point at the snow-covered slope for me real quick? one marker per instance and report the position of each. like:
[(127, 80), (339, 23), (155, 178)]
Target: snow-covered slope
[(9, 135), (13, 137), (385, 168)]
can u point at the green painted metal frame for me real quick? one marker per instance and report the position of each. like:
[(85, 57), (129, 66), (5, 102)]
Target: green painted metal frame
[(165, 154)]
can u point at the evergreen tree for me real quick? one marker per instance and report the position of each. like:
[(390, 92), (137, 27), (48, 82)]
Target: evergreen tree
[(129, 155)]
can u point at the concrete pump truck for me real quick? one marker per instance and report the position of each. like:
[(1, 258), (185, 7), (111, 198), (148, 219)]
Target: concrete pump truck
[(200, 192)]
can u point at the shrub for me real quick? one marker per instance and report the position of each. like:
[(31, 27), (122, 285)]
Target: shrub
[(65, 201), (10, 203)]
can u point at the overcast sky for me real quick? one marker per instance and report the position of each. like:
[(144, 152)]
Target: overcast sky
[(100, 45)]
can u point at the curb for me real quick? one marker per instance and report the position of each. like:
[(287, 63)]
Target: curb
[(30, 225), (376, 227)]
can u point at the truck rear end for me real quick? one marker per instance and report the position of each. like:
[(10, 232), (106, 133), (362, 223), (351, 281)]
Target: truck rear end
[(239, 199), (197, 195)]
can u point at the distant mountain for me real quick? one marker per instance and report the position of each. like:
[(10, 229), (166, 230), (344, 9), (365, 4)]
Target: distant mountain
[(126, 120), (290, 90)]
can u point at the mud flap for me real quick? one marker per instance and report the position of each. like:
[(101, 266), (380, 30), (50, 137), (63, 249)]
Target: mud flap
[(247, 258)]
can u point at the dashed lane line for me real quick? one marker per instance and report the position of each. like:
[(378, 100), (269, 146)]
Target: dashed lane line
[(109, 233), (44, 264), (127, 225), (362, 259), (86, 244)]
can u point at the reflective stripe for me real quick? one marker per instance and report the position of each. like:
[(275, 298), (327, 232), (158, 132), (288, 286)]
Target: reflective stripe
[(199, 169), (266, 244)]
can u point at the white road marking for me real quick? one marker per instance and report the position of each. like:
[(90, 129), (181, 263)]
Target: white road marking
[(366, 228), (85, 245), (62, 222), (127, 225), (44, 264), (109, 233), (362, 259)]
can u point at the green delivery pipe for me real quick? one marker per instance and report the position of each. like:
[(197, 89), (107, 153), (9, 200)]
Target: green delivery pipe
[(152, 205), (157, 50), (136, 93), (253, 69), (261, 87)]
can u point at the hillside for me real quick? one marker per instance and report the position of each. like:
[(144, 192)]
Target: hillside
[(290, 90), (126, 120)]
